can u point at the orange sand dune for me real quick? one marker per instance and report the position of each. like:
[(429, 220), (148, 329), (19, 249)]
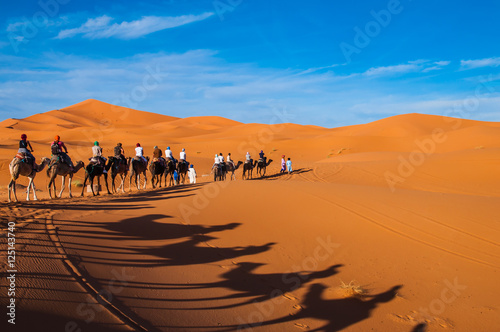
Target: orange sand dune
[(406, 208)]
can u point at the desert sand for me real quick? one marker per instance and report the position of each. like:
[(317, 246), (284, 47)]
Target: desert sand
[(386, 226)]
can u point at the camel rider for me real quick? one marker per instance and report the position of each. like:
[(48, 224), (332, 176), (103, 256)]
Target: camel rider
[(139, 153), (229, 160), (216, 161), (182, 156), (157, 156), (57, 148), (119, 152), (261, 156), (24, 144), (97, 154), (248, 159), (168, 154)]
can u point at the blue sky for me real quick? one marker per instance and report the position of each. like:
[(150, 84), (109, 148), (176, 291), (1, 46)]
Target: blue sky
[(327, 63)]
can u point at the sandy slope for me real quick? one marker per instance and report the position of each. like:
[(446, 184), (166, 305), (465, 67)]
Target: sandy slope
[(406, 207)]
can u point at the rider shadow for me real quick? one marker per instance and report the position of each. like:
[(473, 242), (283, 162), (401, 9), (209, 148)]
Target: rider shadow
[(339, 313), (196, 250), (253, 286), (148, 228)]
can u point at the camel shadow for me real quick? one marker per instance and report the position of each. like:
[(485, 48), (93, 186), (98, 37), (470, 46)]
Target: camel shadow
[(281, 174), (196, 251), (338, 313), (256, 287)]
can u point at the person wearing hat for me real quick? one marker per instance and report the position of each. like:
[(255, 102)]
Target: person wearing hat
[(182, 155), (97, 155), (139, 151), (283, 164), (59, 149), (192, 174), (25, 147)]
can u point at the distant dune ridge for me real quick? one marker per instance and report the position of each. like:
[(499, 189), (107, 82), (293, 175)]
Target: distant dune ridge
[(404, 208)]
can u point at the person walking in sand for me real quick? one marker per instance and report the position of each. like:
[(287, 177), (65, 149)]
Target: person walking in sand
[(283, 164), (192, 174), (289, 166)]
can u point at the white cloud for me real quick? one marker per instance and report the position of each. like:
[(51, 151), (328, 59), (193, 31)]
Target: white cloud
[(200, 83), (391, 70), (101, 27), (478, 63), (420, 65)]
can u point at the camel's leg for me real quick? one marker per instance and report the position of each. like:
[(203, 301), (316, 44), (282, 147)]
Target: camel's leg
[(113, 177), (85, 182), (98, 185), (69, 185), (145, 179), (63, 184), (30, 183), (106, 181), (12, 187), (34, 189), (122, 185)]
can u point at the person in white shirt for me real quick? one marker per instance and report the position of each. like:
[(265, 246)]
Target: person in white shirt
[(248, 157), (221, 158), (192, 174), (168, 153), (182, 155), (216, 161), (229, 160), (97, 155), (139, 153)]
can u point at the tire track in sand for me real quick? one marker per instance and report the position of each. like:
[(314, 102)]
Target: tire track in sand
[(73, 270)]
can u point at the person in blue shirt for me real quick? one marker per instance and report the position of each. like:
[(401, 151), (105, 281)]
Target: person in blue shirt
[(289, 166)]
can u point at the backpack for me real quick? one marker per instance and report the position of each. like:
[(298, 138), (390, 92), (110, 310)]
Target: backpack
[(118, 150), (55, 148)]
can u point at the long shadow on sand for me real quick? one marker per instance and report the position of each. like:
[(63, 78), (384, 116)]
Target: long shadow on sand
[(247, 284), (279, 175), (338, 313), (194, 249)]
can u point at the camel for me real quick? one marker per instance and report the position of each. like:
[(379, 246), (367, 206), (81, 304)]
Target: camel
[(91, 171), (219, 173), (248, 167), (157, 169), (17, 168), (182, 169), (169, 171), (231, 168), (121, 169), (62, 169), (261, 167), (136, 168)]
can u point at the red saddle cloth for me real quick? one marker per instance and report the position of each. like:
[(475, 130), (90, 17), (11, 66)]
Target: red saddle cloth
[(21, 155)]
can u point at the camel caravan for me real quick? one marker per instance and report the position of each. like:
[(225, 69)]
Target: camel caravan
[(162, 168)]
